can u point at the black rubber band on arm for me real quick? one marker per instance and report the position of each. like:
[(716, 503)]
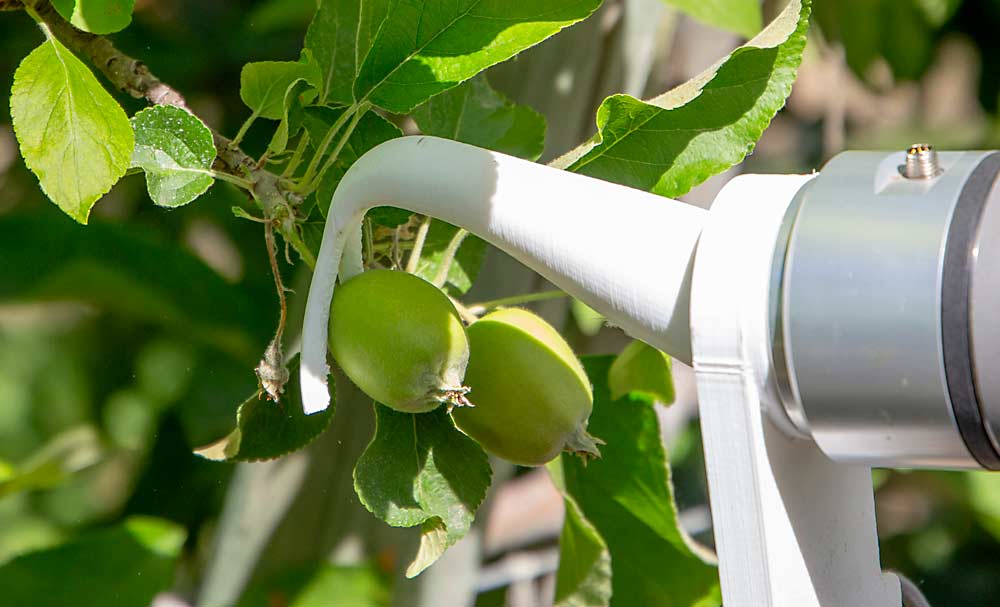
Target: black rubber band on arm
[(955, 322)]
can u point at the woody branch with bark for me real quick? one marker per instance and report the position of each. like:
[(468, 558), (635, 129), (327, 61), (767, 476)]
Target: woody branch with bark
[(278, 203)]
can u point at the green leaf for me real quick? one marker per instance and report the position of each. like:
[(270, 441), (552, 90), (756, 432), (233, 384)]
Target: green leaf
[(267, 430), (740, 16), (474, 113), (73, 135), (644, 369), (272, 15), (370, 131), (984, 498), (420, 470), (425, 47), (464, 267), (902, 33), (673, 142), (127, 564), (264, 84), (627, 496), (122, 269), (588, 320), (64, 455), (321, 585), (340, 37), (291, 117), (584, 575), (175, 149), (389, 217), (96, 16)]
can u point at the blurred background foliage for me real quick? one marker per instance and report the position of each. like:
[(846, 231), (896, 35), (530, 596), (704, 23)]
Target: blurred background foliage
[(126, 344)]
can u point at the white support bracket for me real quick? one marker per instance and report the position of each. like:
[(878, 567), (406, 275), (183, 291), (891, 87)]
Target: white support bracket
[(792, 528)]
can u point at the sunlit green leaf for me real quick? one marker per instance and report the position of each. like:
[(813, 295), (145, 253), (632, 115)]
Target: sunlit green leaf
[(677, 140), (96, 16), (420, 470), (588, 320), (124, 565), (73, 135), (267, 430), (424, 47), (474, 113), (627, 496), (175, 149), (644, 369), (740, 16)]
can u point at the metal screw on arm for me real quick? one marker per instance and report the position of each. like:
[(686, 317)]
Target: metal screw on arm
[(921, 162)]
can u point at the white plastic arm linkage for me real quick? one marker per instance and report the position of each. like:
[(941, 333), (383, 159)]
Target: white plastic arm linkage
[(626, 253)]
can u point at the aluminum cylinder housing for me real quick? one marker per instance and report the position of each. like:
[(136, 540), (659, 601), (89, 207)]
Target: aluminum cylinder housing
[(888, 298)]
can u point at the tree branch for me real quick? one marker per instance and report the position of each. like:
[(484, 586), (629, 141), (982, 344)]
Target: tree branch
[(135, 78)]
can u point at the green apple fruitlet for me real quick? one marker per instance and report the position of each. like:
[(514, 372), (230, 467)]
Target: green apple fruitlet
[(531, 393), (400, 340)]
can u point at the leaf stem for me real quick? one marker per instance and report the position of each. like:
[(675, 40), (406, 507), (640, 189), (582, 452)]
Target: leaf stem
[(466, 313), (271, 370), (296, 160), (292, 237), (38, 18), (243, 129), (246, 184), (325, 143), (369, 242), (480, 308), (418, 246), (448, 257), (344, 138)]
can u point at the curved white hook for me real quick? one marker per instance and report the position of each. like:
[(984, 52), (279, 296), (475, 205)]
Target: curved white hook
[(624, 252)]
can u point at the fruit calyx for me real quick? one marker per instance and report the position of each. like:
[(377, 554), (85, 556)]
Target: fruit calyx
[(583, 444), (453, 397)]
